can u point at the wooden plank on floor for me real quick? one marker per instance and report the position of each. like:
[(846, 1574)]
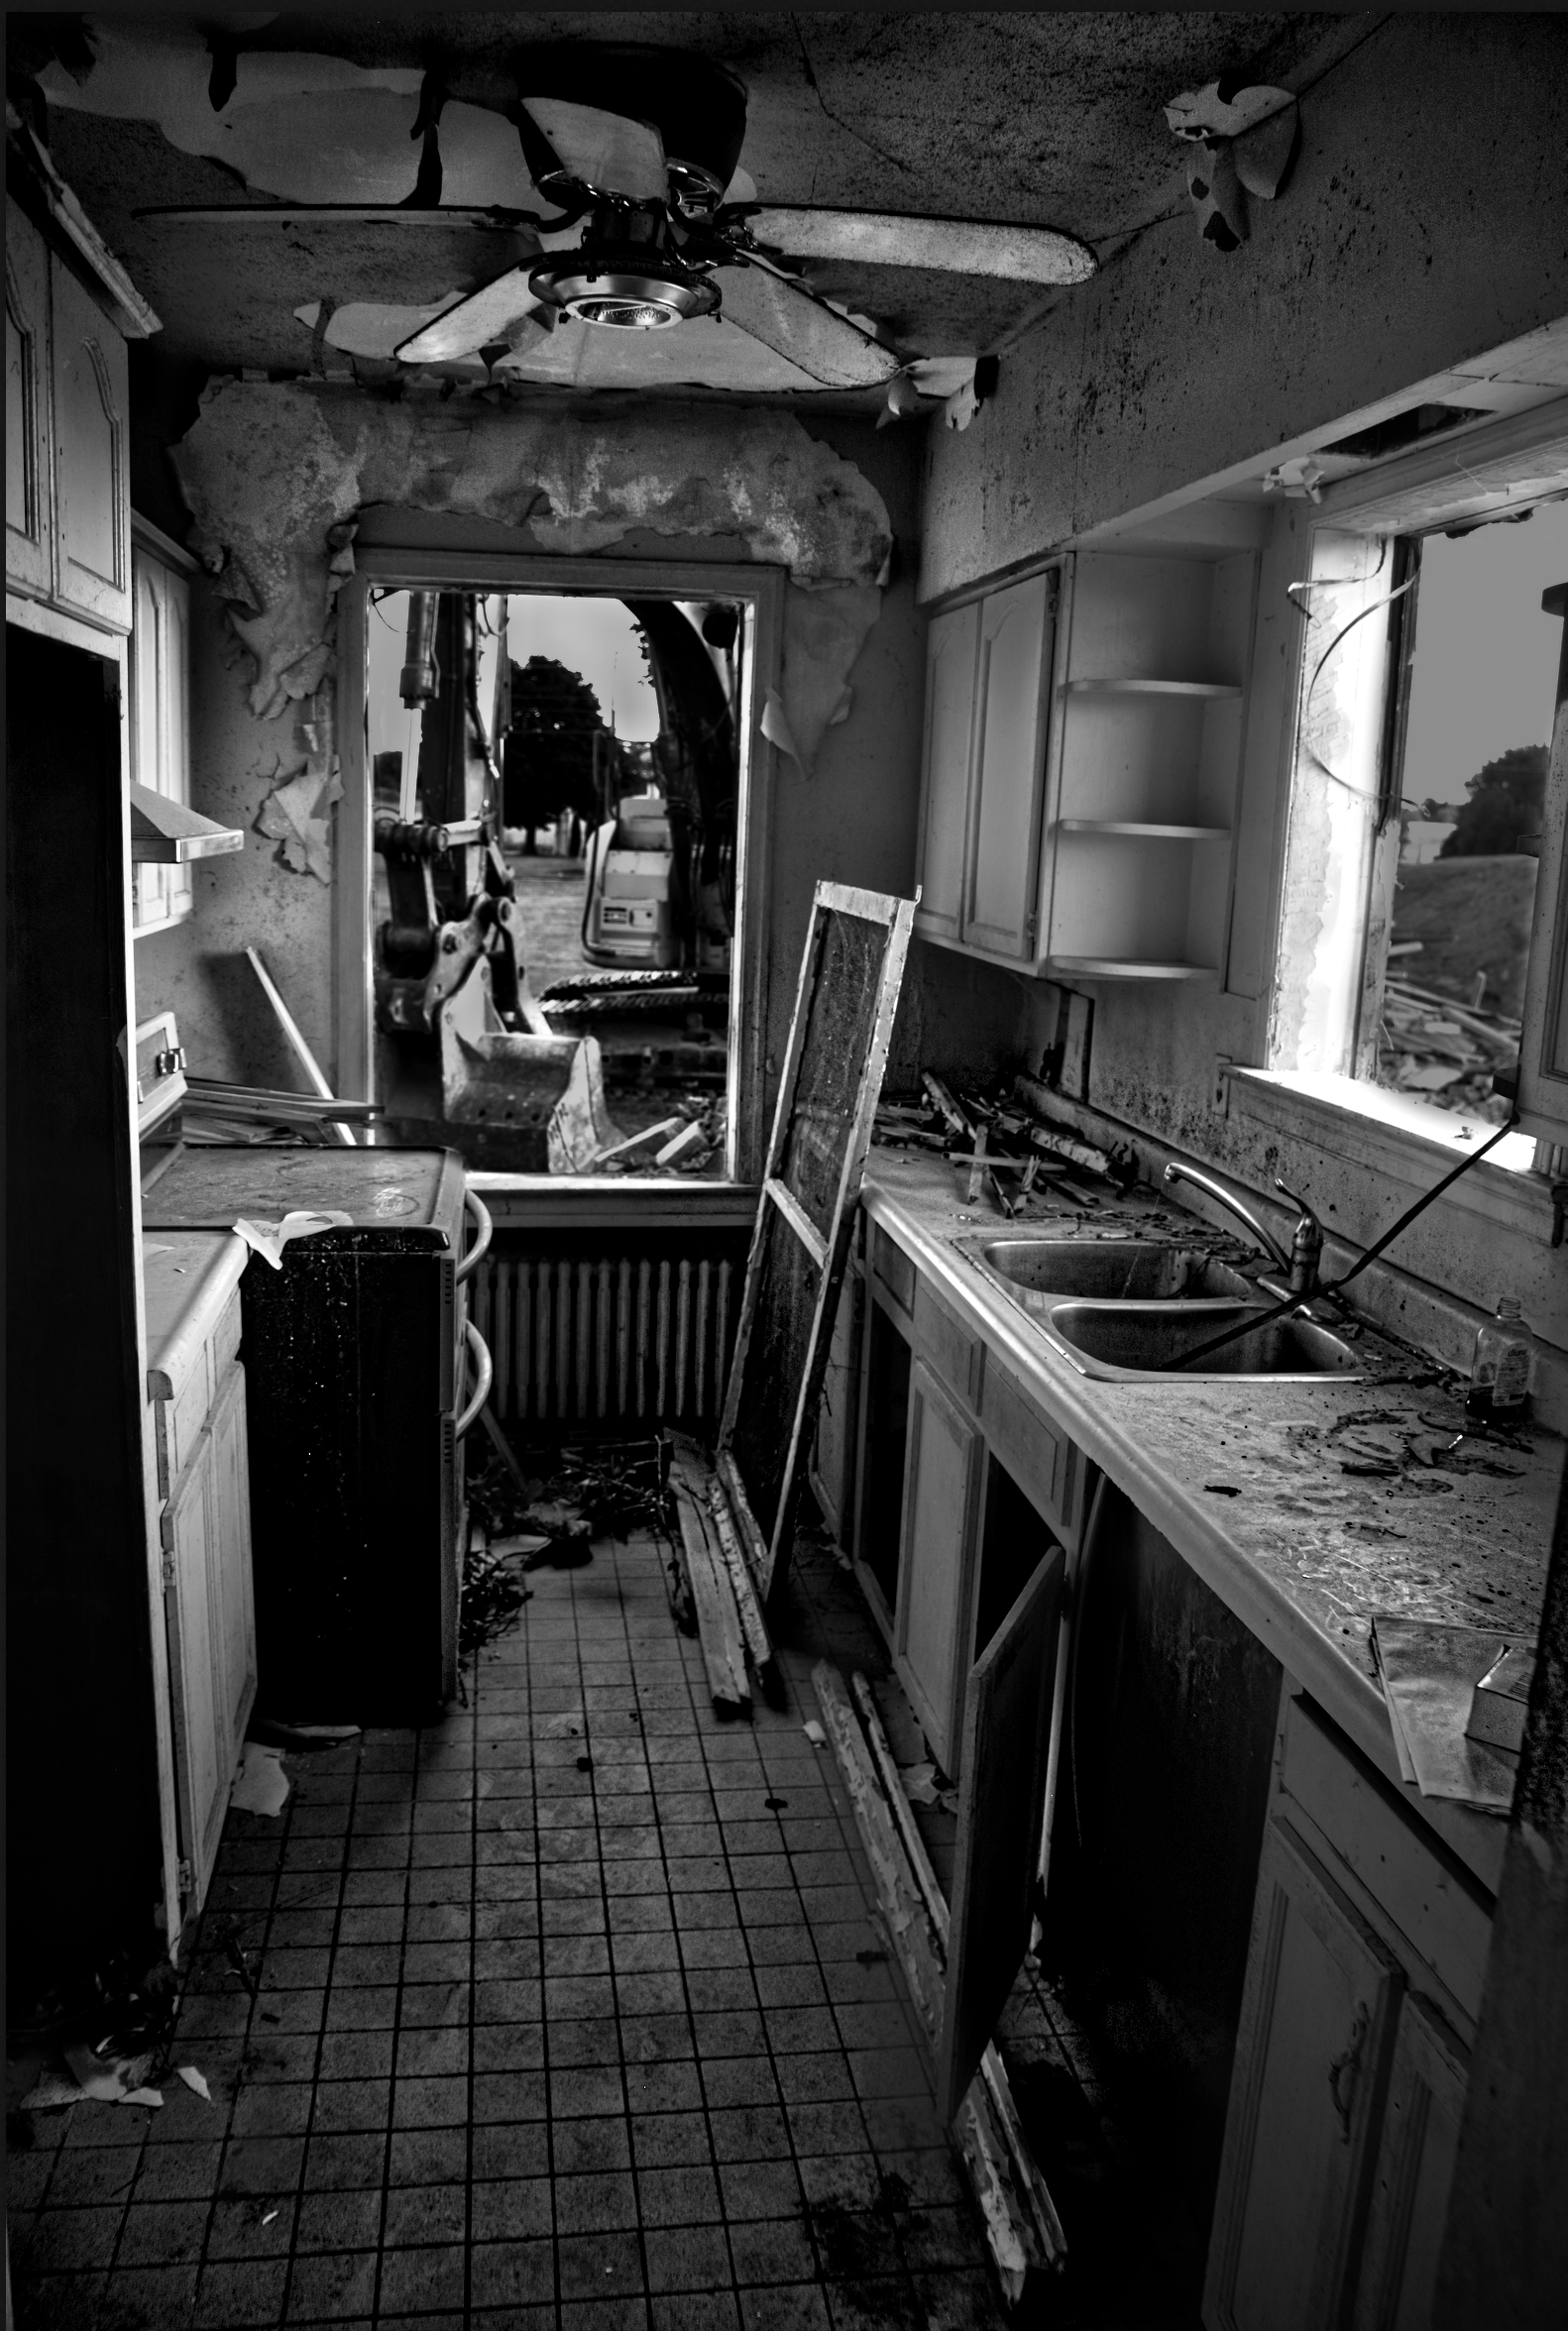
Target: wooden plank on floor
[(753, 1626), (718, 1621)]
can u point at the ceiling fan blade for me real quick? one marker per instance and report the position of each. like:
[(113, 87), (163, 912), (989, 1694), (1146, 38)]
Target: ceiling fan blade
[(814, 337), (965, 247), (605, 151), (478, 321)]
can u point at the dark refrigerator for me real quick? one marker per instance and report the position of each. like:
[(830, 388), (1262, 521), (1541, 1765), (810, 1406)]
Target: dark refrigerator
[(354, 1380)]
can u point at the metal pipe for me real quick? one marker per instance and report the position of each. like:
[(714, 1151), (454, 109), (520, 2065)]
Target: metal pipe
[(479, 1352), (485, 1229)]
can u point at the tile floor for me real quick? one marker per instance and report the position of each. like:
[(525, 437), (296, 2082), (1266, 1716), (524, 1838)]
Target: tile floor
[(568, 2012)]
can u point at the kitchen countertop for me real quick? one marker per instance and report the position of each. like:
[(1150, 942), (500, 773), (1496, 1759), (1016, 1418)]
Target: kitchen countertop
[(1303, 1553), (187, 1275)]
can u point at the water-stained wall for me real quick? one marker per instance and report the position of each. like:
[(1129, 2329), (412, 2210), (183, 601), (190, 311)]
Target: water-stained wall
[(279, 478)]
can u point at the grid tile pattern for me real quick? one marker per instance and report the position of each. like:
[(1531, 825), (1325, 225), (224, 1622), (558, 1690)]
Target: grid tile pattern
[(567, 2011)]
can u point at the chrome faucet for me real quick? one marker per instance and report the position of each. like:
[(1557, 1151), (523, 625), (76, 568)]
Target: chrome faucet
[(1299, 1266)]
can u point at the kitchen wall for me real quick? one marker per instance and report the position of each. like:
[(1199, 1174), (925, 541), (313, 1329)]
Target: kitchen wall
[(1423, 224), (852, 819)]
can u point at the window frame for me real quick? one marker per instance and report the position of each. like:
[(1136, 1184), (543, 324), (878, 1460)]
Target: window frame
[(1520, 461), (761, 588)]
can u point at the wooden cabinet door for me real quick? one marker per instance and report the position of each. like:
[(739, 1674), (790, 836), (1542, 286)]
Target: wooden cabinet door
[(932, 1624), (1006, 1730), (1016, 637), (1416, 2150), (27, 498), (209, 1615), (1306, 2091), (159, 722), (951, 642), (93, 571), (234, 1610), (200, 1776)]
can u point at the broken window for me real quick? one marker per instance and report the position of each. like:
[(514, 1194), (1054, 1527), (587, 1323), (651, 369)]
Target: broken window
[(558, 784), (1422, 740)]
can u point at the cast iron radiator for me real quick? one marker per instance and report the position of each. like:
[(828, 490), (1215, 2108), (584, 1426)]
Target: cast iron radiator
[(605, 1340)]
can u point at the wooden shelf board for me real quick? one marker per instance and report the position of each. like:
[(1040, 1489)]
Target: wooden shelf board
[(1218, 689), (1143, 832), (1127, 967)]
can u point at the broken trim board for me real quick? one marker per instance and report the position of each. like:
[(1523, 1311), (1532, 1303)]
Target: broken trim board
[(1021, 2221), (718, 1621)]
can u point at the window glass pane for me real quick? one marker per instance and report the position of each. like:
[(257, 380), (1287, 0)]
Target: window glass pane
[(1477, 741)]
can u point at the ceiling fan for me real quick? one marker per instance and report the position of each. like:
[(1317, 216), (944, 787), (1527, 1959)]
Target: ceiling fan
[(654, 225)]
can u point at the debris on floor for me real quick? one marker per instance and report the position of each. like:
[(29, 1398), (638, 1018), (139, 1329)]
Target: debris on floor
[(714, 1579), (261, 1785), (1021, 2223)]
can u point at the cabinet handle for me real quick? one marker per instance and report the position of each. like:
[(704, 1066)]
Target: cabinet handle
[(1343, 2069), (482, 1362), (485, 1230)]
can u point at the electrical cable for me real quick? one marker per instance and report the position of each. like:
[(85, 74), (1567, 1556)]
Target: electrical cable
[(1376, 799), (1256, 1319)]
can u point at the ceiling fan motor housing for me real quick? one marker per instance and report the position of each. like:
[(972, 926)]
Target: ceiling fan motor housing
[(625, 274)]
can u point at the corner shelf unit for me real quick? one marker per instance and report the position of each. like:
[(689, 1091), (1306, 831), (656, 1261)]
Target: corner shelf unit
[(1151, 699)]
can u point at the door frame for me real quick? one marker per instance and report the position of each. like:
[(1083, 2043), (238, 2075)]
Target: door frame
[(415, 568)]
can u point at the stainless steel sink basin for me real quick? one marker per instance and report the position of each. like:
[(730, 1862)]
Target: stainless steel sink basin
[(1128, 1309), (1109, 1269), (1144, 1339)]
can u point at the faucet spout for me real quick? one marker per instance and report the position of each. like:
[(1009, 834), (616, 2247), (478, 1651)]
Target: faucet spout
[(1177, 1172)]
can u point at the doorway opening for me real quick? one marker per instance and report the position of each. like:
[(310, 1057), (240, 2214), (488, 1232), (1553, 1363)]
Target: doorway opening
[(557, 785)]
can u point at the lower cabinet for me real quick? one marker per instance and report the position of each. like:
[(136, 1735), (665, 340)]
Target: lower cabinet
[(1368, 1949), (210, 1620), (932, 1621), (1318, 2019)]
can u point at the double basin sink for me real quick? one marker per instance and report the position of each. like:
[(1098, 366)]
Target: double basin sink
[(1134, 1307)]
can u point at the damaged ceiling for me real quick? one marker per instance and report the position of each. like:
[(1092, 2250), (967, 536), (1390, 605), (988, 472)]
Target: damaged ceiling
[(1030, 119)]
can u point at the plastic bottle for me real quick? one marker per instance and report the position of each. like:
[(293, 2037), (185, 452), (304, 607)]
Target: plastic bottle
[(1499, 1372)]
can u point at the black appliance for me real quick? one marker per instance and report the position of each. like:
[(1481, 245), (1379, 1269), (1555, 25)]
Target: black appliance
[(354, 1380)]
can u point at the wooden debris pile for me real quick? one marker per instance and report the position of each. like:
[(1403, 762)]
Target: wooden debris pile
[(1442, 1051), (1014, 1149), (710, 1579), (1021, 2222)]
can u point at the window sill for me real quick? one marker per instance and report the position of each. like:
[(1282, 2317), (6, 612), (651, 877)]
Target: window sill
[(556, 1201), (1406, 1139)]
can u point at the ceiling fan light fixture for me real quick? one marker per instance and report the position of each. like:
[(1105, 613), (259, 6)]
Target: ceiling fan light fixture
[(618, 288)]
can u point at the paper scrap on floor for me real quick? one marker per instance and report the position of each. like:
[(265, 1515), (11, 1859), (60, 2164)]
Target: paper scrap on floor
[(1430, 1674), (261, 1785)]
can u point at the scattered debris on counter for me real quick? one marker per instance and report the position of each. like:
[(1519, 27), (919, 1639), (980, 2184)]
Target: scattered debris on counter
[(1431, 1677), (1009, 1145)]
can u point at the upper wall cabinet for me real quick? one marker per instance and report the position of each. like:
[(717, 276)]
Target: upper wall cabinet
[(1137, 881), (29, 470), (69, 309), (988, 668), (1082, 763), (92, 570), (160, 710)]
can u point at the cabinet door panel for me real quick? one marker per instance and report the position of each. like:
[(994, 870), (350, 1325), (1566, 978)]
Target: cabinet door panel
[(1015, 641), (1416, 2151), (1306, 2091), (200, 1765), (950, 646), (932, 1619), (234, 1628), (92, 515), (26, 463), (1005, 1732)]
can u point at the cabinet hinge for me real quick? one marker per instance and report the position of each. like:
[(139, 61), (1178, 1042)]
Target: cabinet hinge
[(168, 1567), (185, 1877)]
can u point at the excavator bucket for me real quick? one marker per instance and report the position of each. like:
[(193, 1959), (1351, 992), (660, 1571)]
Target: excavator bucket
[(547, 1087)]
